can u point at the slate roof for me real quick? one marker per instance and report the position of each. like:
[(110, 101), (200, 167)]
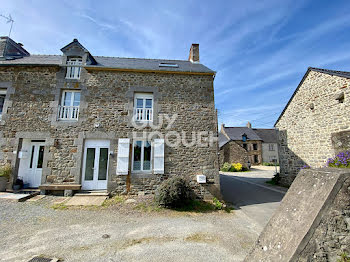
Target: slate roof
[(320, 70), (223, 140), (267, 135), (115, 62), (235, 133)]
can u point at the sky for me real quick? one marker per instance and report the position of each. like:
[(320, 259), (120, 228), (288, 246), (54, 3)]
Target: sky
[(259, 49)]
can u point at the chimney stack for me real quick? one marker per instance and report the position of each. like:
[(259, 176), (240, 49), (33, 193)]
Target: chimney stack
[(249, 125), (222, 128), (194, 53)]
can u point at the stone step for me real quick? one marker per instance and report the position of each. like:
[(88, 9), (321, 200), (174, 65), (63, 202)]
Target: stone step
[(92, 193)]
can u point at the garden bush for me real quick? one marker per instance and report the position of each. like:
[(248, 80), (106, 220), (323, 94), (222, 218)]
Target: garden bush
[(237, 166), (5, 171), (174, 192), (342, 160), (226, 167)]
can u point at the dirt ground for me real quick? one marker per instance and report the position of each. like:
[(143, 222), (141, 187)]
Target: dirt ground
[(121, 231)]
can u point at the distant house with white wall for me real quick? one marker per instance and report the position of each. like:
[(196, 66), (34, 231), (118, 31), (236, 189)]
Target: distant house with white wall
[(259, 145)]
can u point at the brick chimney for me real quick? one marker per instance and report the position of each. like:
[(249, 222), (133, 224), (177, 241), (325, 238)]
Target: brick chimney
[(249, 125), (194, 53)]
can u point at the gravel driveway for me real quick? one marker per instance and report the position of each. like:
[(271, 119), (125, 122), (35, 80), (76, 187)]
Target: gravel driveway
[(34, 228)]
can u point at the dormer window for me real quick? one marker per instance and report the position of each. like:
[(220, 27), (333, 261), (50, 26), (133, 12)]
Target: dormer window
[(244, 138), (74, 68)]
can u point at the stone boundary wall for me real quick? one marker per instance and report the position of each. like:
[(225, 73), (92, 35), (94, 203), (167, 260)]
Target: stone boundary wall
[(313, 221), (306, 126)]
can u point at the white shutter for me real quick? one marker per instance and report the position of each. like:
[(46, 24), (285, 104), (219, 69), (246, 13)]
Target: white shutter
[(158, 157), (123, 156)]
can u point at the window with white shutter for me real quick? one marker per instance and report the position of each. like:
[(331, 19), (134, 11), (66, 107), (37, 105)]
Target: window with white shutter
[(158, 157), (123, 156)]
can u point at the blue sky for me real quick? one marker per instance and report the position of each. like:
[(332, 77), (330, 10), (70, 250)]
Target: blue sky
[(260, 49)]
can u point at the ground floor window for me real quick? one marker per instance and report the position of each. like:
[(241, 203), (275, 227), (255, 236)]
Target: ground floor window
[(142, 153), (256, 159)]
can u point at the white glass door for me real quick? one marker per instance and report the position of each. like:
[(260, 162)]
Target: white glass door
[(95, 171), (36, 164)]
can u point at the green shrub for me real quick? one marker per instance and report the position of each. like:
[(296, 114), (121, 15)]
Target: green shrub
[(233, 169), (244, 169), (269, 164), (218, 205), (174, 192), (275, 180), (226, 167), (344, 257), (5, 171)]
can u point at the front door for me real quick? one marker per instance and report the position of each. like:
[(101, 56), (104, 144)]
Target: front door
[(95, 167), (31, 167)]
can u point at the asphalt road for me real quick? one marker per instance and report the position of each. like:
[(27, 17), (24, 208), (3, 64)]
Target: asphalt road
[(249, 193)]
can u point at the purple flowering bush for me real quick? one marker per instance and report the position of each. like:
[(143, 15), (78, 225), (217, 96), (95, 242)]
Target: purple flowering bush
[(342, 160), (305, 167)]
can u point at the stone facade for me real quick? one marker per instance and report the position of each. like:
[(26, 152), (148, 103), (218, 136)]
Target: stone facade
[(232, 152), (318, 108), (106, 107), (331, 238), (312, 222)]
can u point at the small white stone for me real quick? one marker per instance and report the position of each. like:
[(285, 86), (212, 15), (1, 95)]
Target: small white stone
[(279, 246), (265, 248)]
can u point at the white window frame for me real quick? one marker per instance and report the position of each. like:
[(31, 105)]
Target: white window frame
[(142, 156), (74, 71), (71, 111), (271, 147), (3, 92), (141, 116)]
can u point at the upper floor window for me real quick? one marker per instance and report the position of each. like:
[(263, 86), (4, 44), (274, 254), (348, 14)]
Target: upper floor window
[(73, 71), (143, 107), (255, 146), (271, 147), (69, 108), (245, 146), (2, 100)]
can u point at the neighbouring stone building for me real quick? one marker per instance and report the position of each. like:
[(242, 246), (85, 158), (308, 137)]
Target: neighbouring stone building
[(247, 144), (318, 109), (77, 121)]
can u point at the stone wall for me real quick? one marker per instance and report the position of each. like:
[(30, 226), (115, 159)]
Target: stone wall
[(232, 152), (106, 102), (251, 152), (312, 222), (312, 116)]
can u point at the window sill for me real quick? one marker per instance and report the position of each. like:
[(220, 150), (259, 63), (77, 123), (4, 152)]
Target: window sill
[(141, 174)]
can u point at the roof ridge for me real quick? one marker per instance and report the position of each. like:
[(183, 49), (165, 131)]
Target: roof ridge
[(144, 58)]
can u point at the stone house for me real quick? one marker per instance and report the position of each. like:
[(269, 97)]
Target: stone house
[(318, 110), (81, 122), (259, 145)]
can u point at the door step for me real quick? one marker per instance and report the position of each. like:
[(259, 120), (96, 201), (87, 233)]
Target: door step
[(93, 193)]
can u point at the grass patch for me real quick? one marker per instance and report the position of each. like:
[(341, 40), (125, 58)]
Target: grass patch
[(60, 206), (148, 207), (344, 257), (272, 182), (200, 206), (200, 237), (113, 201)]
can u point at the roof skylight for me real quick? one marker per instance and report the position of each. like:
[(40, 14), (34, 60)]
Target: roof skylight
[(168, 65)]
